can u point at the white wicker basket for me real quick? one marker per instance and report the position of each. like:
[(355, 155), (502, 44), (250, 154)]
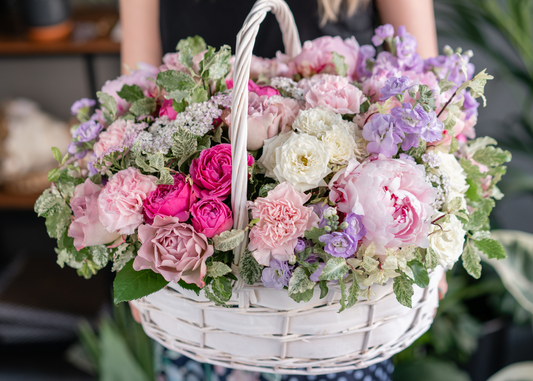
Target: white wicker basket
[(265, 330)]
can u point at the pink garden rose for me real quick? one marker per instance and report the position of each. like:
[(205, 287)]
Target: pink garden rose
[(283, 218), (112, 137), (167, 110), (316, 56), (211, 216), (255, 88), (86, 228), (393, 198), (139, 77), (336, 94), (211, 172), (120, 203), (170, 200), (174, 250)]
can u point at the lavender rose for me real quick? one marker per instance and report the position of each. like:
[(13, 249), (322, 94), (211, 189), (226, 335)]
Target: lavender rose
[(277, 275), (174, 250), (211, 216)]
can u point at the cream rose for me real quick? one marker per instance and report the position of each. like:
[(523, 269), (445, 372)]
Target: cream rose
[(457, 176), (268, 159), (303, 162), (447, 241), (316, 121), (342, 145)]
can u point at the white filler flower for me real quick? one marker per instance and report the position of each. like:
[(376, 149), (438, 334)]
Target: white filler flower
[(447, 241)]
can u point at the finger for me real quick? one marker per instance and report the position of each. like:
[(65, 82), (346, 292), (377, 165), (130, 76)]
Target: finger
[(135, 313), (443, 287)]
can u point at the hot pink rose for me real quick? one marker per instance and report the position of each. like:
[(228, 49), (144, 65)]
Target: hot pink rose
[(211, 216), (170, 200), (335, 93), (120, 203), (393, 198), (316, 56), (283, 218), (174, 250), (86, 228), (140, 77), (211, 172), (168, 110), (255, 88), (112, 137)]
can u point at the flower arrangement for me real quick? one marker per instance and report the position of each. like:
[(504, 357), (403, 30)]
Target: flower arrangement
[(362, 168)]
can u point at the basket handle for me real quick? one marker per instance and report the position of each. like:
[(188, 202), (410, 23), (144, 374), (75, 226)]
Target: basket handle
[(239, 108)]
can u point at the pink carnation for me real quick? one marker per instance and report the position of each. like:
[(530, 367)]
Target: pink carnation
[(335, 93), (393, 197), (86, 228), (174, 250), (120, 203), (283, 218), (112, 137)]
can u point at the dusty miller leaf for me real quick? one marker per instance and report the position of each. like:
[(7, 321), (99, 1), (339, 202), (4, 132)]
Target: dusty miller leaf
[(144, 106), (300, 282), (217, 269), (121, 256), (165, 178), (216, 65), (188, 48), (228, 240), (172, 80)]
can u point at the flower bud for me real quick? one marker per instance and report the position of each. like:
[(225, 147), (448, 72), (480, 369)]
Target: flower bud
[(413, 90), (292, 259), (330, 212), (343, 226), (459, 50), (469, 53), (447, 50), (327, 228)]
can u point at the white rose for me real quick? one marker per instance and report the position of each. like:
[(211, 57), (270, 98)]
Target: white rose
[(316, 121), (268, 158), (303, 162), (342, 145), (457, 176), (447, 241)]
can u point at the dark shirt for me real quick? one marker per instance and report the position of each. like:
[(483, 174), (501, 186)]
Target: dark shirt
[(219, 21)]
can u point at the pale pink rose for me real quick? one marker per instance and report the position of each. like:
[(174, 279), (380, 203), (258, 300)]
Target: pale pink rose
[(336, 94), (283, 218), (112, 137), (86, 228), (393, 197), (317, 57), (140, 77), (120, 203), (174, 250)]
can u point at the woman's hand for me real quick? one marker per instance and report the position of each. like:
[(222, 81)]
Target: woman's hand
[(135, 313)]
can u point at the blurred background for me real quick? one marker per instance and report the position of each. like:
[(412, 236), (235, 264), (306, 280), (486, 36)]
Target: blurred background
[(55, 325)]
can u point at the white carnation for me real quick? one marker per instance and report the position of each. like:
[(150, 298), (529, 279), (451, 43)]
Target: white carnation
[(316, 121), (447, 241), (303, 162), (342, 145), (268, 158)]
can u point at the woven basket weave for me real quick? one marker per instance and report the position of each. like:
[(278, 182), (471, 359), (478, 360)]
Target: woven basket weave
[(265, 330)]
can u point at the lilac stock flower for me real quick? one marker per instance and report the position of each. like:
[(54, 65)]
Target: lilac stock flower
[(339, 244), (394, 86), (432, 131), (405, 156), (470, 105), (87, 131), (319, 209), (450, 67), (366, 52), (300, 245), (277, 275), (382, 33), (90, 166), (81, 104), (383, 137), (410, 141), (405, 43), (314, 276), (410, 120), (355, 227), (77, 150)]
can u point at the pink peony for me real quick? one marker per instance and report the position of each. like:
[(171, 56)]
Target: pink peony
[(211, 172), (170, 200), (316, 56), (211, 216), (336, 94), (255, 88), (111, 138), (140, 77), (120, 203), (174, 250), (270, 67), (283, 218), (167, 110), (86, 228), (393, 197)]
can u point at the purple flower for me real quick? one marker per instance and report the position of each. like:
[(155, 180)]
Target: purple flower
[(410, 140), (450, 67), (319, 209), (432, 130), (355, 227), (277, 275), (406, 51), (90, 166), (394, 86), (300, 245), (410, 120), (382, 135), (77, 150), (339, 244), (366, 52), (405, 156), (382, 33), (470, 105), (314, 276), (81, 104), (87, 131)]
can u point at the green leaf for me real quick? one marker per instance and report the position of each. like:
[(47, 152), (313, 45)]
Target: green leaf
[(418, 151), (190, 47), (454, 145), (300, 282), (340, 66), (144, 106), (130, 284), (265, 188), (342, 300), (420, 273), (403, 289), (131, 93), (314, 234), (219, 291), (189, 286), (99, 255), (492, 156), (477, 220), (57, 154), (475, 190), (54, 174), (199, 94), (96, 179), (353, 293), (491, 247), (336, 268), (216, 64), (172, 80), (324, 290), (58, 221), (217, 135), (109, 106), (122, 255), (184, 143), (249, 268), (454, 205), (165, 177), (472, 170), (47, 203), (228, 240), (445, 85), (471, 259), (431, 259), (217, 269), (179, 95), (303, 296), (67, 183), (140, 161)]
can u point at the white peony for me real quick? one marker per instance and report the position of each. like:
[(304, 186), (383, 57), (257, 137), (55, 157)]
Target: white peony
[(447, 241), (268, 159), (342, 145), (316, 121), (303, 162)]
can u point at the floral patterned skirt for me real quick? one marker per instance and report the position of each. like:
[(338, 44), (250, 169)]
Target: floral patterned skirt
[(172, 366)]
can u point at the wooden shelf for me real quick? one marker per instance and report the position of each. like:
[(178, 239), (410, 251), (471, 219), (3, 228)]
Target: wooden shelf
[(18, 202)]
